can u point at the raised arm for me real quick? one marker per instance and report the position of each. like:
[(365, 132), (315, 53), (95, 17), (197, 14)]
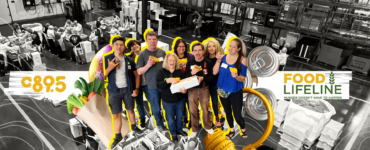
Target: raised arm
[(216, 67)]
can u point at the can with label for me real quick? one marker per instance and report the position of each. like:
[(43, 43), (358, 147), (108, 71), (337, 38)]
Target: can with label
[(263, 61), (255, 106), (251, 81)]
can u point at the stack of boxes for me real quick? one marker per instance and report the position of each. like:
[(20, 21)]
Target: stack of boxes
[(162, 45), (330, 134), (294, 135), (37, 63), (280, 112), (156, 10), (87, 48), (76, 127)]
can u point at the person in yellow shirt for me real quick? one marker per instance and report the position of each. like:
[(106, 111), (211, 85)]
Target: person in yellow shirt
[(181, 50)]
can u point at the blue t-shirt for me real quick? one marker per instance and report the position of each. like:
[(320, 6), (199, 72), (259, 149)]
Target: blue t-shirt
[(226, 81)]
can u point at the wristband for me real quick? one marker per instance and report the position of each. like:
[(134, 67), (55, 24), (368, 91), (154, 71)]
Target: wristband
[(165, 79), (219, 61)]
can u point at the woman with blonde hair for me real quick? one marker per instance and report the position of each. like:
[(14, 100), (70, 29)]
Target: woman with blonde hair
[(211, 48), (172, 104)]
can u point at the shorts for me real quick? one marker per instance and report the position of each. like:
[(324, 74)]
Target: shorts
[(115, 100)]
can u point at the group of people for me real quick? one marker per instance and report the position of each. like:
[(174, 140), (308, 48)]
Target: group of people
[(132, 72), (71, 39), (24, 41)]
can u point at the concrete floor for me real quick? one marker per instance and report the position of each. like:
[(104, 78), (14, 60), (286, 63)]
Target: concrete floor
[(16, 133)]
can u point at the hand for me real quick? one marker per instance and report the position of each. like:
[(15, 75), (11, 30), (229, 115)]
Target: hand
[(200, 79), (182, 64), (194, 71), (219, 56), (183, 90), (234, 75), (111, 64), (135, 93), (150, 62), (171, 80)]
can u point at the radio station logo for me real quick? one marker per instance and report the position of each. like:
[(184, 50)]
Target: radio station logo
[(316, 84)]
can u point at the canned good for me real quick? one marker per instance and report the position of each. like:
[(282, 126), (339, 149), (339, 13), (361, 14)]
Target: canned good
[(263, 61), (251, 81), (255, 107)]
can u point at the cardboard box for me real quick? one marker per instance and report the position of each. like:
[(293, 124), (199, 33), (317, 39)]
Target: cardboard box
[(186, 83), (133, 12), (36, 58), (134, 5), (164, 46), (127, 10), (156, 14), (76, 127), (288, 145), (298, 130), (133, 34), (121, 17), (323, 145), (86, 46), (89, 56), (329, 140), (292, 140), (333, 129), (41, 67), (126, 3), (151, 4), (139, 30), (148, 23), (159, 31)]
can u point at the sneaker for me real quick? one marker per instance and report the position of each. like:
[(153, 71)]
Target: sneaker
[(137, 131), (182, 133), (193, 134), (210, 131), (142, 123), (198, 36), (193, 35), (162, 128), (115, 142), (63, 59)]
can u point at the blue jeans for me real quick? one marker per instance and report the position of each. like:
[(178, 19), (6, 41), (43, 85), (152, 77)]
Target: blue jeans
[(140, 103), (214, 97), (172, 110), (154, 97)]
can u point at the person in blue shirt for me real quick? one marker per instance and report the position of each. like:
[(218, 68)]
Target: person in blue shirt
[(232, 85), (123, 84)]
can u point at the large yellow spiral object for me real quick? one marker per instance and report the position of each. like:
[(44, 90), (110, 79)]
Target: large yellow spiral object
[(217, 141)]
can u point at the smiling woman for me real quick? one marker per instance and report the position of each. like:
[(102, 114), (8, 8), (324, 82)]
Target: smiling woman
[(172, 104)]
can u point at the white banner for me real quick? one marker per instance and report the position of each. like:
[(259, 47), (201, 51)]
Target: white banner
[(53, 85), (308, 84)]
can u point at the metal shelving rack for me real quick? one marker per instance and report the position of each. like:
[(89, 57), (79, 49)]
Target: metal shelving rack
[(347, 21)]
